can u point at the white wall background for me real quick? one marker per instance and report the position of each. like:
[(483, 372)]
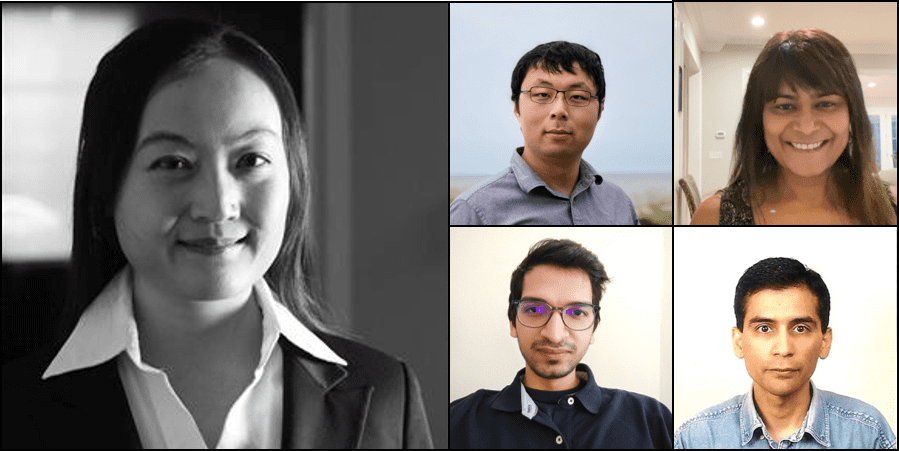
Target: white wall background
[(859, 268), (633, 341)]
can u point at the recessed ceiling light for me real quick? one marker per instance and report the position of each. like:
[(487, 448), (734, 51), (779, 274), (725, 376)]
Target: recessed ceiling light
[(871, 85), (758, 21)]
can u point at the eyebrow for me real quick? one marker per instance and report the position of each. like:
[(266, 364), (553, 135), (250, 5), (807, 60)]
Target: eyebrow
[(579, 84), (792, 97), (801, 319), (167, 136), (547, 302)]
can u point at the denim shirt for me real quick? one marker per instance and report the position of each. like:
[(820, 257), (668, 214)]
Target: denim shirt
[(832, 421)]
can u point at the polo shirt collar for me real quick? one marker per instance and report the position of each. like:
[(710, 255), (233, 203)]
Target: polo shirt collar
[(815, 422), (515, 398), (528, 179)]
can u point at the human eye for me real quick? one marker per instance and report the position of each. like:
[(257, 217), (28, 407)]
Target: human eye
[(170, 163), (784, 107), (763, 328), (579, 96), (253, 160), (803, 327)]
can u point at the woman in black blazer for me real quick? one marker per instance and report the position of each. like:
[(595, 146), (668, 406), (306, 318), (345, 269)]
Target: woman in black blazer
[(191, 321)]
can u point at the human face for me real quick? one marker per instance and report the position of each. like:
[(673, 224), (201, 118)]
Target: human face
[(540, 122), (209, 167), (781, 330), (804, 117), (553, 351)]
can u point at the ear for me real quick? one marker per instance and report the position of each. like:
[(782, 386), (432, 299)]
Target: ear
[(512, 330), (737, 339), (516, 112), (825, 348), (602, 106)]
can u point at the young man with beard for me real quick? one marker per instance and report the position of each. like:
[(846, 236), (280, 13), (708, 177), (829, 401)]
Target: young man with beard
[(554, 402), (559, 91), (782, 310)]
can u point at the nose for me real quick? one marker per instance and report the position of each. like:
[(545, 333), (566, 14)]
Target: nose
[(559, 106), (555, 330), (806, 123), (781, 345), (215, 196)]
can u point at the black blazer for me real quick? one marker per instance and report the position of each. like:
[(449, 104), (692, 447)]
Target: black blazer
[(375, 402)]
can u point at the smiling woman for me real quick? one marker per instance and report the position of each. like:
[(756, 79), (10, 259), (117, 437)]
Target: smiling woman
[(192, 322), (804, 151)]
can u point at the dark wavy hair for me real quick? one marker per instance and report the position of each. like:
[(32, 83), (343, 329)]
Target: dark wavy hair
[(554, 57), (148, 58), (564, 254), (779, 273), (813, 60)]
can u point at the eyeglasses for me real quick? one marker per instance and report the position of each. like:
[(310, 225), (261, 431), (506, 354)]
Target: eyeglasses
[(537, 314), (542, 94)]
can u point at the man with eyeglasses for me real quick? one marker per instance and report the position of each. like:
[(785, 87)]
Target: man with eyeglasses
[(554, 402), (558, 90)]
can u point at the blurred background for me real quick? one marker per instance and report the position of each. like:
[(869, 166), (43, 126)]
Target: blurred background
[(380, 218), (715, 47), (631, 146)]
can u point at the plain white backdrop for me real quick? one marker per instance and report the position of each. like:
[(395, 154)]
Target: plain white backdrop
[(857, 264), (633, 341)]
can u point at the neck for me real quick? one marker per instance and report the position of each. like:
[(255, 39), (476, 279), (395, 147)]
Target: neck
[(559, 172), (173, 329), (808, 191), (536, 382), (782, 414)]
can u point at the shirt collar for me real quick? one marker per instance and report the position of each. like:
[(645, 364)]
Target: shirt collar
[(107, 327), (528, 179), (514, 397), (815, 420)]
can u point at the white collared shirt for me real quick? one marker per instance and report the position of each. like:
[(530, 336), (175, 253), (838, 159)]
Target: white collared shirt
[(107, 329)]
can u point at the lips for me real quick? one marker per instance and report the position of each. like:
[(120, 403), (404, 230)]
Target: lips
[(552, 350), (558, 132), (212, 241), (808, 145)]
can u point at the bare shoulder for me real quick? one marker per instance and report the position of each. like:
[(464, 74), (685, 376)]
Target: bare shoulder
[(707, 213)]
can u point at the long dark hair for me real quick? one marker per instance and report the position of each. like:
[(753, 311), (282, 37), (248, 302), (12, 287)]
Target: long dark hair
[(126, 77), (813, 60)]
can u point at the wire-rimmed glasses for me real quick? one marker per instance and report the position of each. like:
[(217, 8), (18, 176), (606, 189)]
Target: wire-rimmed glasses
[(533, 313), (544, 94)]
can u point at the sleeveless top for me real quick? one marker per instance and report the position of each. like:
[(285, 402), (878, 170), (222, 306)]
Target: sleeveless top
[(735, 205)]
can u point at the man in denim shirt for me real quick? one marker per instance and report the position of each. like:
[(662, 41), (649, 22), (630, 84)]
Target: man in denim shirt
[(782, 310)]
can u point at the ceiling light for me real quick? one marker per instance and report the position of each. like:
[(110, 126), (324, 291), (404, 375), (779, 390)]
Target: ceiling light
[(758, 21)]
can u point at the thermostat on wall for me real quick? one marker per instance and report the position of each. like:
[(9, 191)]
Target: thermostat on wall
[(719, 134)]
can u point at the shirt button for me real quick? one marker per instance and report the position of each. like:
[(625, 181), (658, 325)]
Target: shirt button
[(570, 401), (559, 440)]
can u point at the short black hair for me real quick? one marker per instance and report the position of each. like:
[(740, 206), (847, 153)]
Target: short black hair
[(564, 254), (557, 56), (779, 273)]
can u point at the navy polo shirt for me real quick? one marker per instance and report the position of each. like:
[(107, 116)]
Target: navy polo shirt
[(588, 416)]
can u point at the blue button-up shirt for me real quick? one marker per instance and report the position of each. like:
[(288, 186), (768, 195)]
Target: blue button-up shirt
[(832, 421), (588, 417), (517, 195)]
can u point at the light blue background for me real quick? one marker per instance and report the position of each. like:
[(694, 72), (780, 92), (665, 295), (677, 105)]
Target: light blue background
[(634, 42)]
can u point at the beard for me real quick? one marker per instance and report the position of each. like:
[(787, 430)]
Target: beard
[(553, 366)]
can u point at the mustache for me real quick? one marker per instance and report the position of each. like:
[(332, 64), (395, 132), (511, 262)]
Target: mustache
[(547, 344)]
